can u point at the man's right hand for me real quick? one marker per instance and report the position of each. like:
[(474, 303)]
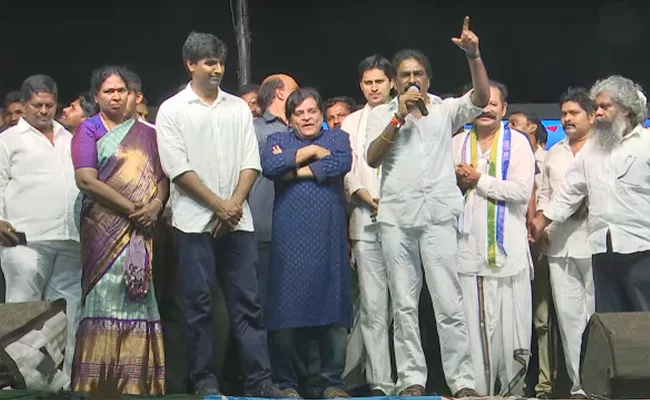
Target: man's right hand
[(7, 236), (229, 211), (321, 152), (408, 99)]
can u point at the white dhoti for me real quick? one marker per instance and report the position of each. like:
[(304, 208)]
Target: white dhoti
[(572, 283), (499, 320), (46, 270), (434, 248), (374, 319)]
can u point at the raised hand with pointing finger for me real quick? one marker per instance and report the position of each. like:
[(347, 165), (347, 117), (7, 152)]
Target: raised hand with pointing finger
[(468, 41)]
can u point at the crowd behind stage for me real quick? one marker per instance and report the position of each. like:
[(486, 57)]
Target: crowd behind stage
[(272, 244)]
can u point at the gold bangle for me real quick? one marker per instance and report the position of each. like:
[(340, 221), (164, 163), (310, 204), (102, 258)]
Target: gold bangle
[(162, 206), (386, 140)]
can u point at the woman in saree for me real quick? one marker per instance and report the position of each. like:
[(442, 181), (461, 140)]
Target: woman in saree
[(119, 174)]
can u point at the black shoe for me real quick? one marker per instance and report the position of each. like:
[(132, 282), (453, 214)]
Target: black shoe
[(544, 396), (377, 393), (206, 391), (578, 396), (266, 390)]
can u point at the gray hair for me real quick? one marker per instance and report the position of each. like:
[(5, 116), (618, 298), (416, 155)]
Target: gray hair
[(626, 94)]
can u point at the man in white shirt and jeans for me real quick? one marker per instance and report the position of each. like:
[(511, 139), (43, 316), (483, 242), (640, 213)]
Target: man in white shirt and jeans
[(612, 171), (209, 151), (418, 211), (37, 197), (565, 244)]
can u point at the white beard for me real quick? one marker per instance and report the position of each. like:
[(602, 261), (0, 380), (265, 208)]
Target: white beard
[(608, 134)]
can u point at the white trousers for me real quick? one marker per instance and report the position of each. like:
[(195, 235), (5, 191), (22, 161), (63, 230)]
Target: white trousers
[(572, 283), (500, 320), (407, 251), (46, 270), (374, 319)]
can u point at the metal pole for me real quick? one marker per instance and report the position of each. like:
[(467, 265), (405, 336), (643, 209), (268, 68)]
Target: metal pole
[(243, 41)]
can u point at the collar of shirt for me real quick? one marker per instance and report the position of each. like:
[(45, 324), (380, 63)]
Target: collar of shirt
[(190, 96), (24, 127), (636, 132), (270, 117)]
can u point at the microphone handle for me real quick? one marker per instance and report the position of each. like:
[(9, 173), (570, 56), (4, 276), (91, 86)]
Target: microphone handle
[(422, 108)]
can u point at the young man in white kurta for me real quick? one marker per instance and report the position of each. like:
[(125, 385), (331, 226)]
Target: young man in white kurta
[(497, 298), (569, 255), (362, 187)]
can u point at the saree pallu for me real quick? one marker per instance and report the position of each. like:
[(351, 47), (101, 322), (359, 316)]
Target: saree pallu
[(118, 334)]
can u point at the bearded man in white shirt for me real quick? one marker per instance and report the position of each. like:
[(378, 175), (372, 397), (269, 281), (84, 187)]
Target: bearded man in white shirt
[(37, 197), (411, 139), (362, 187), (613, 173), (565, 243), (496, 169)]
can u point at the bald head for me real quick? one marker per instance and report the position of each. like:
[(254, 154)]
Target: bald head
[(274, 91)]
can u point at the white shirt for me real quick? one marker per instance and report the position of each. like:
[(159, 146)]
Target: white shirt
[(540, 157), (569, 238), (617, 183), (418, 179), (37, 186), (361, 176), (516, 192), (217, 141)]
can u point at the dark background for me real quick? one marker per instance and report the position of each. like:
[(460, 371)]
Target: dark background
[(537, 49)]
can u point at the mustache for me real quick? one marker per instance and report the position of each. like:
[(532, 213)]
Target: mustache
[(568, 125), (487, 114)]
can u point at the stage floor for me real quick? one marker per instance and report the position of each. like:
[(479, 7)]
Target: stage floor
[(26, 394)]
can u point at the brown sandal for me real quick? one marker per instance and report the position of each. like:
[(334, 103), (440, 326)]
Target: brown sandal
[(413, 390)]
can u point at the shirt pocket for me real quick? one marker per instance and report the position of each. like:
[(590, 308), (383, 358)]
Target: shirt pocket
[(634, 171)]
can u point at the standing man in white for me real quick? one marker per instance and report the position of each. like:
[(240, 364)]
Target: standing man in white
[(37, 197), (565, 243), (418, 212), (496, 169), (362, 187)]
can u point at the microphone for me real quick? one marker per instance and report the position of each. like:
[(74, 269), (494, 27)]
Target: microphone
[(420, 103)]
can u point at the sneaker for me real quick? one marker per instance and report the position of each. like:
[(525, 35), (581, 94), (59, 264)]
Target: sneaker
[(267, 390)]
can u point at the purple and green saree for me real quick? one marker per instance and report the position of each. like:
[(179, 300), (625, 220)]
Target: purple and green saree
[(120, 324)]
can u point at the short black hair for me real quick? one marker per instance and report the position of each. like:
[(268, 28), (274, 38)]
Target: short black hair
[(199, 46), (503, 89), (101, 74), (88, 105), (251, 87), (540, 133), (376, 62), (341, 99), (133, 80), (13, 97), (416, 55), (299, 96), (266, 92), (38, 84), (581, 96)]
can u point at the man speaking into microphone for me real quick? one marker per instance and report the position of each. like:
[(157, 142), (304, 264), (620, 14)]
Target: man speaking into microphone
[(410, 138)]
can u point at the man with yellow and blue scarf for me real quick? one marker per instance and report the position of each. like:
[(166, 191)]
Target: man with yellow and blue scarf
[(495, 167)]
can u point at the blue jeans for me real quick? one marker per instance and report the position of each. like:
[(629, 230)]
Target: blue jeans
[(289, 351)]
